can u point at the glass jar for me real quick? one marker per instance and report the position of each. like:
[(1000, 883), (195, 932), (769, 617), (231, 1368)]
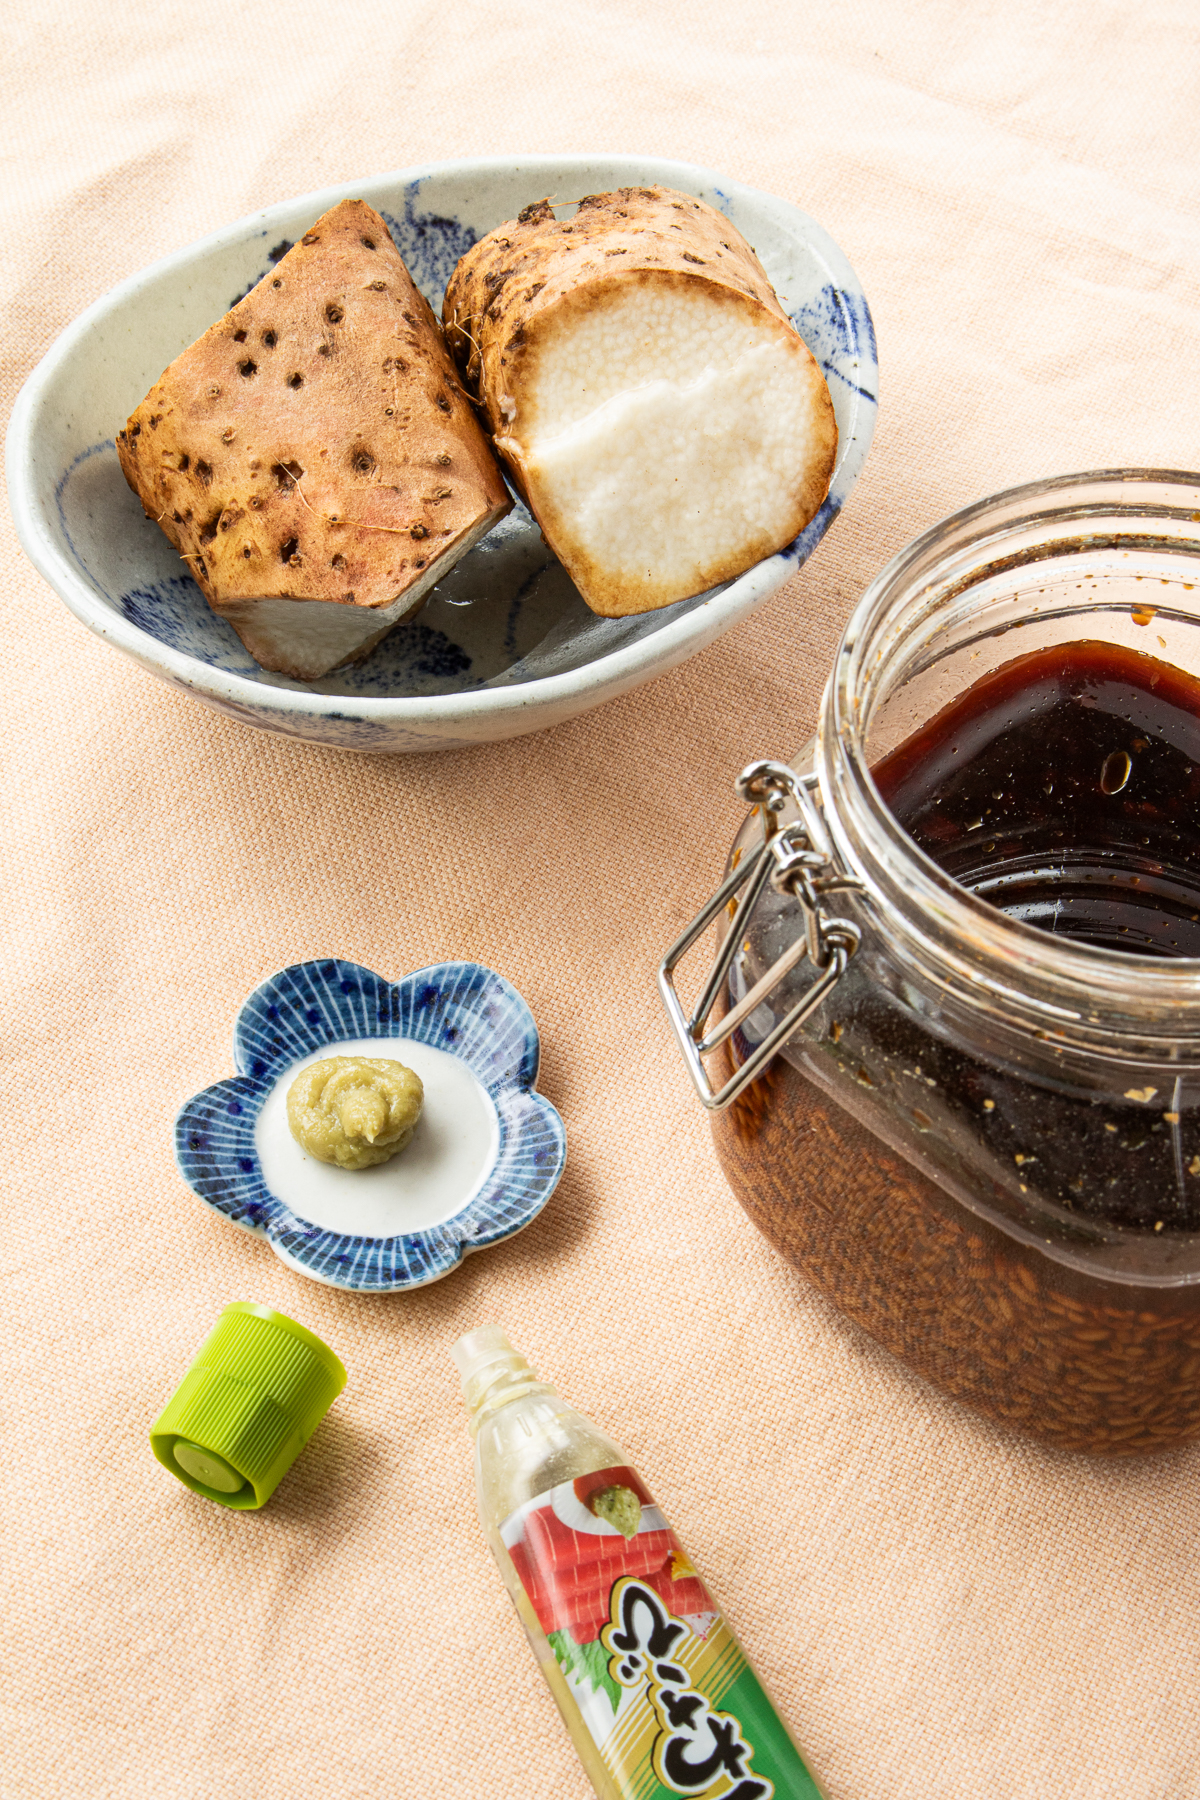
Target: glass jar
[(980, 1141)]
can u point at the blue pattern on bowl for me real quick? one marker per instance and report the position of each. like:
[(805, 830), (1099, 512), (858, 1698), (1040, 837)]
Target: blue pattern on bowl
[(458, 1007)]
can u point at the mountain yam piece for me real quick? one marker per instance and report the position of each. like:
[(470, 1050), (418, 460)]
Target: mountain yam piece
[(654, 404), (312, 456)]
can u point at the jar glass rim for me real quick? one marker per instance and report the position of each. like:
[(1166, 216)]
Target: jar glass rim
[(1146, 1004)]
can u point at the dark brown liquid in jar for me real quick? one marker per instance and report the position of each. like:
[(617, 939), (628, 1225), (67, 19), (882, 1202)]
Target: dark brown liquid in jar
[(1064, 788)]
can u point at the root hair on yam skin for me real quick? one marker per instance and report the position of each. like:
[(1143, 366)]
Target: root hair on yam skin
[(655, 407)]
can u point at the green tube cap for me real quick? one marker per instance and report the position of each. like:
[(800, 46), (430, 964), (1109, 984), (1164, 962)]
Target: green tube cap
[(255, 1393)]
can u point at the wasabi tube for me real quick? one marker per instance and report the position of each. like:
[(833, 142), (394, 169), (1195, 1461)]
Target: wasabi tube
[(654, 1688)]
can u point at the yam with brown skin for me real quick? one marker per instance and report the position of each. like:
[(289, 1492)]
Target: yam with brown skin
[(653, 402), (312, 457)]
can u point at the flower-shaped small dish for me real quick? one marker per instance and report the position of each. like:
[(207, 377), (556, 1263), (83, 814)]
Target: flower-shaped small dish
[(484, 1159)]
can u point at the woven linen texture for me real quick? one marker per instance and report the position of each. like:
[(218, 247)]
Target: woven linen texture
[(943, 1612)]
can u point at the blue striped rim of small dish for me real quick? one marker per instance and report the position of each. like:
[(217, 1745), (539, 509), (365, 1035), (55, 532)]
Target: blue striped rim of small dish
[(458, 1007)]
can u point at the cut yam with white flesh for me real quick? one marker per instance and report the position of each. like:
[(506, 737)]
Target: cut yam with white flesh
[(663, 418), (312, 457)]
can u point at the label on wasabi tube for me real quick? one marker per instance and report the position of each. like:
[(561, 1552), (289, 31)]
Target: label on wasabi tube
[(661, 1683)]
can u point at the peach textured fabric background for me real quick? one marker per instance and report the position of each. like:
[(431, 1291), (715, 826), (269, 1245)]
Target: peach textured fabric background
[(943, 1611)]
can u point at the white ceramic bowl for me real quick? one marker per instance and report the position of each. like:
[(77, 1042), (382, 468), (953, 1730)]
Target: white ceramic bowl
[(505, 644)]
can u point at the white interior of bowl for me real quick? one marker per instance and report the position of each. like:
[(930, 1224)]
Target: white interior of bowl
[(508, 618)]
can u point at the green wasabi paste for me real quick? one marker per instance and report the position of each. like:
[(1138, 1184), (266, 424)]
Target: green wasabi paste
[(619, 1507), (354, 1111)]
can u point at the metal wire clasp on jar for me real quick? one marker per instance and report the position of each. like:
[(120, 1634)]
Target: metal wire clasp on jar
[(797, 860), (980, 1140)]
